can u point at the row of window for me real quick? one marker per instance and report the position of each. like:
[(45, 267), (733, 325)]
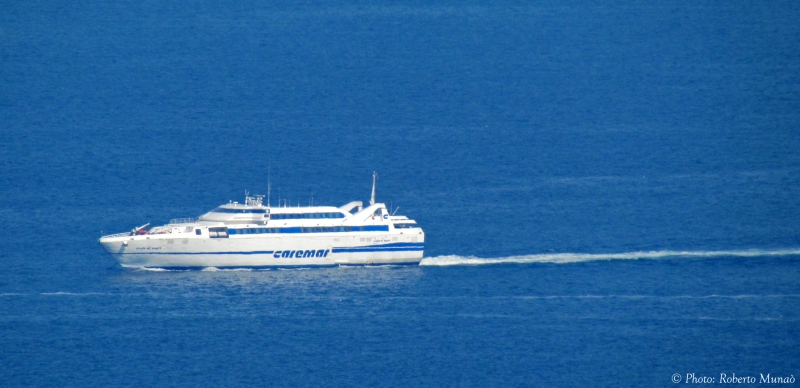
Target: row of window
[(291, 216), (324, 229), (240, 211), (283, 216), (405, 226)]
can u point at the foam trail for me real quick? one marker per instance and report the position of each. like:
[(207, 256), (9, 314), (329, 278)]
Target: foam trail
[(563, 258), (156, 269), (215, 269)]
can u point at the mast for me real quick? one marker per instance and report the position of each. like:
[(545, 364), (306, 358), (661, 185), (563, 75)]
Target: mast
[(374, 177)]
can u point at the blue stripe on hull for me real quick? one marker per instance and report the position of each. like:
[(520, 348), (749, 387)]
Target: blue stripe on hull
[(255, 267), (393, 247), (198, 268), (368, 249), (200, 253)]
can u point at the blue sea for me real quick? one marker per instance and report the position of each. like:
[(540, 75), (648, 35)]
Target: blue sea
[(610, 190)]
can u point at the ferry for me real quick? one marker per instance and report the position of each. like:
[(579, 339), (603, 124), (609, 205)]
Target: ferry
[(250, 234)]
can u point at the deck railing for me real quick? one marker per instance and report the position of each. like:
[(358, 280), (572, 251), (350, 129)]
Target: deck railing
[(182, 221), (119, 234)]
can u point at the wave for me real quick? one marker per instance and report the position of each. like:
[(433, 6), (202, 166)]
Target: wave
[(215, 269), (157, 269), (71, 293), (564, 258), (713, 296)]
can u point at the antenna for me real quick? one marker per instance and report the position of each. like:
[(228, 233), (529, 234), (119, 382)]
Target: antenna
[(374, 178)]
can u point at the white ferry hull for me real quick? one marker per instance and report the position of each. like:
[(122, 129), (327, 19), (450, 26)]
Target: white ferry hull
[(264, 251)]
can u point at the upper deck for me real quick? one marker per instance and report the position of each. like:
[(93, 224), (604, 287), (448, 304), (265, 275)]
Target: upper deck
[(253, 217), (234, 218)]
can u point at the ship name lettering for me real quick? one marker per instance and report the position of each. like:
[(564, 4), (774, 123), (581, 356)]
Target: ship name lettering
[(301, 254)]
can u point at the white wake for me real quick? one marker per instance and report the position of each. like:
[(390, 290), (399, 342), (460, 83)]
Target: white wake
[(562, 258), (215, 269)]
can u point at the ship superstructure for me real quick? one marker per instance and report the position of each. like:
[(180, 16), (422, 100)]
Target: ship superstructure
[(251, 234)]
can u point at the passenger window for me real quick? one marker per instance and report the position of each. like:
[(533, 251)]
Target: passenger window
[(198, 232)]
